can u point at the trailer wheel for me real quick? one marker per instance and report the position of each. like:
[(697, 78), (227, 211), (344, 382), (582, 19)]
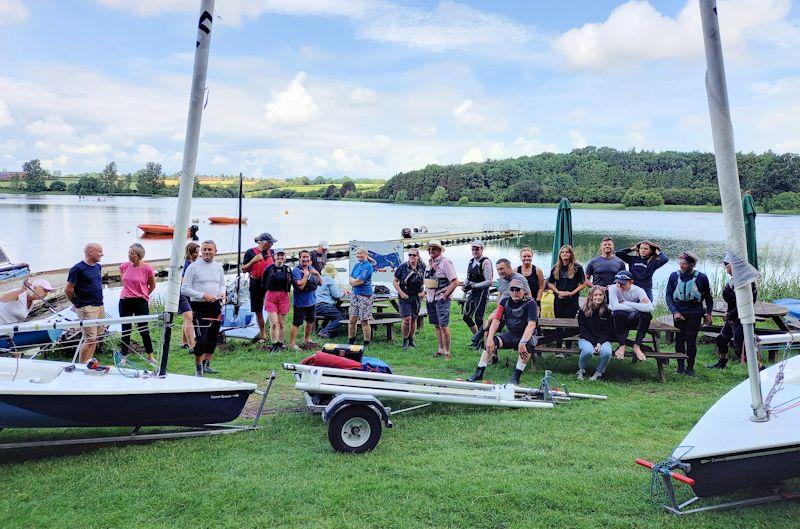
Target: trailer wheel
[(354, 429)]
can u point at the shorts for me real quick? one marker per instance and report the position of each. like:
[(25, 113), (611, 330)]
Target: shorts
[(183, 305), (277, 302), (511, 341), (439, 312), (303, 314), (409, 308), (257, 293), (91, 312), (360, 307)]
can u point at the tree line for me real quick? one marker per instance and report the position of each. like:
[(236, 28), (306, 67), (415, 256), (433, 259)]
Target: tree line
[(601, 175)]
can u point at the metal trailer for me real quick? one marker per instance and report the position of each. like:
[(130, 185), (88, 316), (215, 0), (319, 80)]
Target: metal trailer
[(350, 404)]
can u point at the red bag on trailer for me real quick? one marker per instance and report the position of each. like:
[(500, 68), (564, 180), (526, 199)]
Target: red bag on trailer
[(328, 360)]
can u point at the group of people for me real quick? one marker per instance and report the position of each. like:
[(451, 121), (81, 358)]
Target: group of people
[(619, 300)]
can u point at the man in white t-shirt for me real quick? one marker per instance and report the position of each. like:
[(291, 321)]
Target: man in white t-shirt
[(632, 309), (15, 305)]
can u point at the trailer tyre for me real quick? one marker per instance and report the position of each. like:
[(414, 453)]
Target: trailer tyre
[(354, 429)]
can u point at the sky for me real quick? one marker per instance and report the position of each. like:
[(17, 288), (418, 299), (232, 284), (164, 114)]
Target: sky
[(370, 88)]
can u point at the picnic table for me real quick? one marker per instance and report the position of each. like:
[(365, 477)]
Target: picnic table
[(566, 329)]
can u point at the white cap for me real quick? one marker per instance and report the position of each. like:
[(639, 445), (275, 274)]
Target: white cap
[(324, 244), (42, 283)]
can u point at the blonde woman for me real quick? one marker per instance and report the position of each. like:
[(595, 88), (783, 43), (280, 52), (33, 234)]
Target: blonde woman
[(138, 282), (533, 275), (566, 280)]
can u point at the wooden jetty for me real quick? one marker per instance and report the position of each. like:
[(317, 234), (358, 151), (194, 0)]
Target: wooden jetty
[(111, 274)]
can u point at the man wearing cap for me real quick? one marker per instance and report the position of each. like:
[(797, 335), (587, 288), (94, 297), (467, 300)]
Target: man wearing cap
[(254, 262), (85, 290), (632, 309), (601, 270), (505, 274), (15, 305), (520, 314), (319, 256), (687, 291), (732, 330), (408, 282), (476, 285), (440, 282)]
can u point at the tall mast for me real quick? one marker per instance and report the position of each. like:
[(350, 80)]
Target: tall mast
[(202, 46), (239, 249), (728, 178)]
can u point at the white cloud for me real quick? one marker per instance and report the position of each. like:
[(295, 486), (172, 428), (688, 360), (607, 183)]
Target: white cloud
[(12, 11), (55, 163), (473, 155), (218, 159), (147, 153), (784, 86), (51, 126), (636, 31), (5, 115), (362, 96), (91, 149), (293, 106), (351, 163), (467, 113), (382, 140), (578, 141)]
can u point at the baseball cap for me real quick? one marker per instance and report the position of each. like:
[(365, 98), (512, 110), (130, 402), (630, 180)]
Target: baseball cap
[(477, 242), (623, 276), (266, 237), (279, 250), (42, 283), (516, 283), (324, 245)]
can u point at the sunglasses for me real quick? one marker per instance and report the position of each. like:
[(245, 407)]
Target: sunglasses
[(515, 289), (413, 254), (476, 248)]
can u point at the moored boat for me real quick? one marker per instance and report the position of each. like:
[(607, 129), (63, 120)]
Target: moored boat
[(9, 270), (226, 220), (156, 229)]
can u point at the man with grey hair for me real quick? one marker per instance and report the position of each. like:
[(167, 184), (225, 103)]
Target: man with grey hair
[(204, 285), (505, 275), (319, 256), (361, 298), (476, 285), (85, 290)]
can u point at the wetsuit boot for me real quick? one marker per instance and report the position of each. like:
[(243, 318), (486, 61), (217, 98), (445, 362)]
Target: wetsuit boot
[(477, 375), (515, 377)]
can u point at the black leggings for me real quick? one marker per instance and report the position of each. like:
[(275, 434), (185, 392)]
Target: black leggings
[(206, 325), (135, 307), (475, 307), (625, 320), (686, 338)]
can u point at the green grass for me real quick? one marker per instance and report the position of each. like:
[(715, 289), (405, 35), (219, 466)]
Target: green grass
[(442, 466)]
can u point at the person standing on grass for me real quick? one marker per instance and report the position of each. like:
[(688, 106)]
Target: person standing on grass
[(602, 269), (361, 298), (254, 262), (687, 291), (643, 260), (732, 330), (533, 275), (188, 338), (440, 282), (305, 279), (319, 256), (204, 284), (632, 309), (138, 282), (408, 282), (85, 290), (329, 294), (596, 332), (520, 314), (566, 281), (479, 279), (277, 281)]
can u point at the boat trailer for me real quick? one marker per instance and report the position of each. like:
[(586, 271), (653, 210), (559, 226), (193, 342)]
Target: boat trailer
[(349, 400)]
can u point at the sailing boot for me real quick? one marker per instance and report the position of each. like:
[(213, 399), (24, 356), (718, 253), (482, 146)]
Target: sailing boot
[(477, 337), (207, 368), (405, 344), (477, 375), (515, 377), (411, 342), (198, 370)]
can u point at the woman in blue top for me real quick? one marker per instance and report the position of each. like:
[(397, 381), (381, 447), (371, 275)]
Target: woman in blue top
[(643, 259), (361, 298)]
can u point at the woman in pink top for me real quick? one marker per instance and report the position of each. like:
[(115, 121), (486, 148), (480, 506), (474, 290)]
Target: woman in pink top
[(138, 282)]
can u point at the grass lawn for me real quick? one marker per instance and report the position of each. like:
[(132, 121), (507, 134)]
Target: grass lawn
[(442, 466)]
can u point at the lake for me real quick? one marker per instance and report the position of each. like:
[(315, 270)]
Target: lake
[(49, 231)]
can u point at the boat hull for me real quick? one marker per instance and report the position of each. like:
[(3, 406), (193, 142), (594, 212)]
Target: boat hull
[(13, 271), (226, 220), (165, 409), (727, 474), (156, 229)]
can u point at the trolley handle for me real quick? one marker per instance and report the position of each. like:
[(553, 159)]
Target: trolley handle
[(674, 475)]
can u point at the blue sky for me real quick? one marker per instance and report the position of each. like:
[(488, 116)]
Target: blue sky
[(368, 88)]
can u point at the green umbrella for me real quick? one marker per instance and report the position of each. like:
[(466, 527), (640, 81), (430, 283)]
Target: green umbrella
[(563, 233), (749, 209)]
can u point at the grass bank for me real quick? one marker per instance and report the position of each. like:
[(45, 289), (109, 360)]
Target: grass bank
[(443, 466)]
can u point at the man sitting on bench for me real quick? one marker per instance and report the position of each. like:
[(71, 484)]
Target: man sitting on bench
[(632, 310), (520, 314)]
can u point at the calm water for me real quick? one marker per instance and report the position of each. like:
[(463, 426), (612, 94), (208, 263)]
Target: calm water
[(49, 231)]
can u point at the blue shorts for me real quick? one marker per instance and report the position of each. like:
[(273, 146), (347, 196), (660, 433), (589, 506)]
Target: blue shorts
[(439, 312)]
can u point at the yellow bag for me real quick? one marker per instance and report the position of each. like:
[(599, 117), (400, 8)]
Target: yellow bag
[(547, 304)]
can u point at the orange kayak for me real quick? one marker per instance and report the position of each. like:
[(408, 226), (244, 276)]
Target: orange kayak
[(156, 229), (226, 220)]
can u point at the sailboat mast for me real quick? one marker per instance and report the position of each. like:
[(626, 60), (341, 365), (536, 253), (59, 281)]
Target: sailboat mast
[(239, 248), (186, 188), (730, 194)]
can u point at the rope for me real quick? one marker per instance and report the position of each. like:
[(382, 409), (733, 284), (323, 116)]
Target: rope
[(660, 472), (778, 384)]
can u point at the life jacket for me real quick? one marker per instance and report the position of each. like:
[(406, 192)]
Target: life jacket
[(412, 282), (287, 272), (475, 271), (687, 290), (257, 270), (441, 282)]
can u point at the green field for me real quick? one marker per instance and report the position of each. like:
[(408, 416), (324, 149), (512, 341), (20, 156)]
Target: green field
[(442, 466)]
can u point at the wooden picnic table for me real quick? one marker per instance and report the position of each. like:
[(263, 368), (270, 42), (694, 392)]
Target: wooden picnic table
[(567, 329), (764, 311)]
